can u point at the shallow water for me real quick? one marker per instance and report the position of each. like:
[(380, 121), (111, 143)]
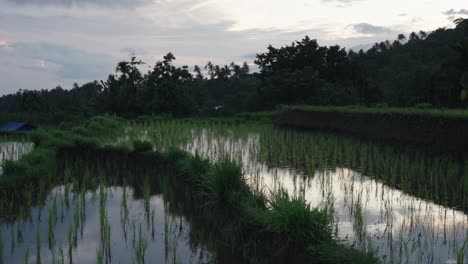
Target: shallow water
[(368, 214), (135, 226)]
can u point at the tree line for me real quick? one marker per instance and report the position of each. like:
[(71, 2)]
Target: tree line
[(419, 69)]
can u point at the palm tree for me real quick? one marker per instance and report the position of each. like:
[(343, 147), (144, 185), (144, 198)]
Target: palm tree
[(459, 21), (401, 37)]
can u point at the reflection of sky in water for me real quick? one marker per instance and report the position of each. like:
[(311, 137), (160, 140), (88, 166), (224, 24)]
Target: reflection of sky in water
[(13, 151), (398, 226), (170, 242)]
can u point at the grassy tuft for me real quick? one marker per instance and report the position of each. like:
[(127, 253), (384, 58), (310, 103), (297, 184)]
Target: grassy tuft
[(194, 167), (294, 220), (223, 188)]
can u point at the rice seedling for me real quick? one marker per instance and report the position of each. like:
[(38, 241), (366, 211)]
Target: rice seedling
[(38, 246), (62, 256), (12, 235), (141, 247), (26, 256), (70, 244), (100, 256), (50, 230), (153, 229), (146, 190), (124, 212), (2, 245)]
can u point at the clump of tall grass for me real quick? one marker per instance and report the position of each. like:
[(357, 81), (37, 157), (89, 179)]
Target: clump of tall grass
[(194, 167), (223, 188), (293, 219)]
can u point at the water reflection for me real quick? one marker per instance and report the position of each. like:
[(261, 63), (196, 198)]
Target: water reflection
[(368, 214), (107, 224)]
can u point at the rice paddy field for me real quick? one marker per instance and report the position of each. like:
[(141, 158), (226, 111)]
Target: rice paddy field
[(403, 204)]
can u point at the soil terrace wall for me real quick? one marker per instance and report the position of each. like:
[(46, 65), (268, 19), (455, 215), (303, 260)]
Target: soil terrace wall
[(434, 132)]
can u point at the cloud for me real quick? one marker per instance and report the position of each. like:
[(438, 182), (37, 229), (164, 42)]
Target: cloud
[(80, 3), (249, 56), (85, 47), (452, 12), (368, 29), (62, 61), (78, 44), (3, 43), (341, 1)]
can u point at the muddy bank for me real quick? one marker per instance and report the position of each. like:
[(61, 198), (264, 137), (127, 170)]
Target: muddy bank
[(450, 134)]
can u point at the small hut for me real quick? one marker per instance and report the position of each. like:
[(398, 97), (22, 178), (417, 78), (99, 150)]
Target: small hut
[(17, 127)]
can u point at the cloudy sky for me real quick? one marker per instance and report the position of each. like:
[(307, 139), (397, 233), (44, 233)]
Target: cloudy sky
[(45, 43)]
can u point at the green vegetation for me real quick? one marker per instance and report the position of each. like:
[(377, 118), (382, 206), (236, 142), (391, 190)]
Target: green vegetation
[(35, 173), (230, 208), (221, 196), (142, 146), (385, 111), (436, 129), (414, 111), (437, 176), (40, 163), (224, 188), (246, 189), (294, 221)]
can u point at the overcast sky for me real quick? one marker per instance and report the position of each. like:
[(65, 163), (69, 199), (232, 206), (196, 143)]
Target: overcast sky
[(45, 43)]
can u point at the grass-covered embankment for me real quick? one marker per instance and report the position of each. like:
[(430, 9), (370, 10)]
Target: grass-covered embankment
[(441, 129)]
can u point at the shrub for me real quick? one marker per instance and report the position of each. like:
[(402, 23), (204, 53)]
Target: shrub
[(51, 139), (80, 131), (101, 125)]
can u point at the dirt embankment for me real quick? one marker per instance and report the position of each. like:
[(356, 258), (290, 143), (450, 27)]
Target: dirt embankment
[(438, 132)]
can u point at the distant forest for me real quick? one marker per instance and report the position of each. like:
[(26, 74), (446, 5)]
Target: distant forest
[(425, 69)]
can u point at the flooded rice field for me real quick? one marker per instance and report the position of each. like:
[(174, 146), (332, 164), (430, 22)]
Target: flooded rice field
[(371, 212), (404, 204)]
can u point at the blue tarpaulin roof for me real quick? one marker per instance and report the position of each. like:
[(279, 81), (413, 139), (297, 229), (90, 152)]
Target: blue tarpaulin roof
[(17, 126)]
